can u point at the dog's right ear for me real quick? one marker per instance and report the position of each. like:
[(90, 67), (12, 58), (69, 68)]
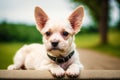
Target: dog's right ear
[(76, 18), (40, 18)]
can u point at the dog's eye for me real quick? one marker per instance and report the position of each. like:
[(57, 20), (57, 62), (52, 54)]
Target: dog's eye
[(48, 33), (65, 33)]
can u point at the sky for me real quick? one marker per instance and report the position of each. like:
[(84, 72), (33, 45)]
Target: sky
[(114, 12), (22, 11)]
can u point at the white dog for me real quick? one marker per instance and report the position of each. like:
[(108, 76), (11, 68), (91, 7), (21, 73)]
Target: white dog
[(58, 53)]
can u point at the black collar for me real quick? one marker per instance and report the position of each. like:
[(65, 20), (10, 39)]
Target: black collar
[(61, 59)]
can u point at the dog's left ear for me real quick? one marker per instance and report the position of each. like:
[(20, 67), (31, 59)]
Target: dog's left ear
[(76, 18), (40, 17)]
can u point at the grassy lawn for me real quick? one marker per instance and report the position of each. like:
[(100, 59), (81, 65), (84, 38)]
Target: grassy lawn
[(89, 41), (7, 51)]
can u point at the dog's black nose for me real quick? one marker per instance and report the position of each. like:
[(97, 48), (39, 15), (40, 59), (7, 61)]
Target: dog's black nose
[(54, 44)]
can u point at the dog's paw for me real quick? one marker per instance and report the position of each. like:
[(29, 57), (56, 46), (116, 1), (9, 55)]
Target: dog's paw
[(72, 72), (12, 67), (57, 72)]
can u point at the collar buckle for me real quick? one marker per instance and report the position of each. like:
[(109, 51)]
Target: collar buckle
[(59, 60)]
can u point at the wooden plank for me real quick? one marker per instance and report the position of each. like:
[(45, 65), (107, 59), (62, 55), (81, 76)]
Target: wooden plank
[(37, 74)]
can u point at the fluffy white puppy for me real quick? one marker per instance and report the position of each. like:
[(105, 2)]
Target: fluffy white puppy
[(58, 53)]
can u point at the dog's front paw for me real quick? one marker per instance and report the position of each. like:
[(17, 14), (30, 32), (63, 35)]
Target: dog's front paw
[(12, 67), (72, 73), (57, 72)]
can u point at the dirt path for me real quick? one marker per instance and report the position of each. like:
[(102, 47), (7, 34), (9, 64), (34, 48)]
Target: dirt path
[(95, 60)]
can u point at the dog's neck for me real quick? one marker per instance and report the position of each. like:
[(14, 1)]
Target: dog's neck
[(60, 60)]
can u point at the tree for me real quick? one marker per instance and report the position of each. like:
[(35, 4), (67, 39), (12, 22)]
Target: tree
[(100, 13)]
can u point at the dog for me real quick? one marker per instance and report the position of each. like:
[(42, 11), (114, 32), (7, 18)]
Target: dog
[(58, 53)]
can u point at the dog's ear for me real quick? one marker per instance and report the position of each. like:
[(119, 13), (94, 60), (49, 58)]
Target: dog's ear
[(76, 18), (40, 17)]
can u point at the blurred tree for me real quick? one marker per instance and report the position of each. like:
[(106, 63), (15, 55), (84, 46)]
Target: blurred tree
[(99, 10), (19, 32)]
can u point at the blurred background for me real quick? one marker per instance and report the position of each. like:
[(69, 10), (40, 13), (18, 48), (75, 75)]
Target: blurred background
[(100, 29)]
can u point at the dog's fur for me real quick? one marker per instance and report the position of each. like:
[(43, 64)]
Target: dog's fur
[(34, 56)]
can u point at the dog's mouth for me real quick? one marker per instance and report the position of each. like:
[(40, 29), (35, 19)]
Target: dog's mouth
[(56, 49)]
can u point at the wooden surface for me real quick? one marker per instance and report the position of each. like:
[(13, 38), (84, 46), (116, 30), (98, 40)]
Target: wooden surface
[(36, 74)]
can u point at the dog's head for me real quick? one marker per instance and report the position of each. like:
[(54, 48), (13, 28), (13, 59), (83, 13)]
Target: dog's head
[(58, 35)]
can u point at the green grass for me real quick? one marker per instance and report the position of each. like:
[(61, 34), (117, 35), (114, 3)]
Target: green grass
[(86, 40), (91, 41), (108, 49), (7, 51)]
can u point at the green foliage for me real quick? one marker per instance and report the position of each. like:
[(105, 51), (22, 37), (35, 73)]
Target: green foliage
[(118, 25), (118, 1), (93, 5), (19, 32), (88, 29)]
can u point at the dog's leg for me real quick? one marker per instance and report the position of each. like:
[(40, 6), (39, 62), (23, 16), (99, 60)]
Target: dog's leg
[(18, 63), (57, 71), (73, 70), (18, 59)]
